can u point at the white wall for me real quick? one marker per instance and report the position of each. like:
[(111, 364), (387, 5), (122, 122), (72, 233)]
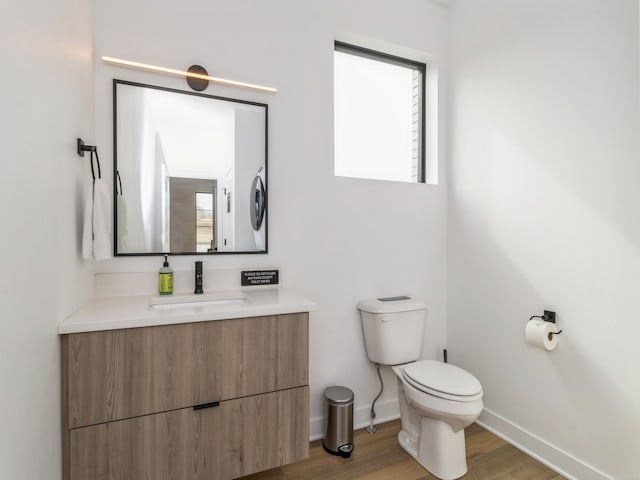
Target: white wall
[(544, 214), (46, 104), (336, 240)]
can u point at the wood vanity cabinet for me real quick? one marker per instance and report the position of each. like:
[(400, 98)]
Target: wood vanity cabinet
[(209, 400)]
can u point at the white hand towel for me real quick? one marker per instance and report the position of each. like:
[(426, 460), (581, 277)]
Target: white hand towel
[(95, 235), (87, 227)]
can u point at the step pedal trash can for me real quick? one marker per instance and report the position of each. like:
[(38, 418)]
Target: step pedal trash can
[(338, 421)]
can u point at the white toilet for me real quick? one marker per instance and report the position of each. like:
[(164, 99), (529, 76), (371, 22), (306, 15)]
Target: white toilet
[(437, 400)]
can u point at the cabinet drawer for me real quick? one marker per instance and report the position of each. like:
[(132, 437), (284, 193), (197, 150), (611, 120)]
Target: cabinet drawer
[(118, 374), (236, 438)]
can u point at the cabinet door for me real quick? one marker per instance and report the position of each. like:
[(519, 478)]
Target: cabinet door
[(120, 374), (236, 438)]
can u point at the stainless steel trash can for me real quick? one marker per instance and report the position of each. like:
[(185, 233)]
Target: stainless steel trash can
[(338, 421)]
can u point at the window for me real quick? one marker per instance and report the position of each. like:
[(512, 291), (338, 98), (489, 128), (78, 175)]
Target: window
[(379, 115), (204, 222)]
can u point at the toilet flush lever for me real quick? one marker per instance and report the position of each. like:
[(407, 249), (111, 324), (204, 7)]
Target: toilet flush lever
[(385, 318)]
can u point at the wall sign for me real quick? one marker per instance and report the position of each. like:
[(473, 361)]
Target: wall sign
[(259, 277)]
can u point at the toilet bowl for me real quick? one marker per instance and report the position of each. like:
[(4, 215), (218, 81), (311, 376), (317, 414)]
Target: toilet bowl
[(433, 421), (437, 400)]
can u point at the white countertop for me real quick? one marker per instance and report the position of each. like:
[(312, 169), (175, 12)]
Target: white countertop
[(112, 313)]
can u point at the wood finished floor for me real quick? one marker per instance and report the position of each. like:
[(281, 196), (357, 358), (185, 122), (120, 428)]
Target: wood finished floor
[(379, 457)]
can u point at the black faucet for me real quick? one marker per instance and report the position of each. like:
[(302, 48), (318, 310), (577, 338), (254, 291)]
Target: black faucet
[(198, 277)]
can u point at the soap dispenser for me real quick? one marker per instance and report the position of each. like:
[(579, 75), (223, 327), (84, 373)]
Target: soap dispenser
[(165, 278)]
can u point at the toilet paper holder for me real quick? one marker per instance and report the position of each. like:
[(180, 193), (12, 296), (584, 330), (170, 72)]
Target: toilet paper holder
[(547, 316)]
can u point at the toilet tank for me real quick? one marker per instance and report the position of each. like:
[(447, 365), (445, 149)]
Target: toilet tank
[(393, 329)]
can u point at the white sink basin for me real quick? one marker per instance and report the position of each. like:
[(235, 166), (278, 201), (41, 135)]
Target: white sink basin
[(203, 300)]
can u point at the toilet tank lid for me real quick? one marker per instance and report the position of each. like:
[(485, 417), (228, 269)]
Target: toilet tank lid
[(404, 303)]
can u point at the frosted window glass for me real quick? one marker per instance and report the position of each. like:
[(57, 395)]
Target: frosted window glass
[(377, 119)]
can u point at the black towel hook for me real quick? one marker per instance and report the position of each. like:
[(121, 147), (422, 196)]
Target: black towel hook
[(82, 147)]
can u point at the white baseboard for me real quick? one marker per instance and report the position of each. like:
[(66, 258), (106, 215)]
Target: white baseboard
[(385, 412), (547, 454)]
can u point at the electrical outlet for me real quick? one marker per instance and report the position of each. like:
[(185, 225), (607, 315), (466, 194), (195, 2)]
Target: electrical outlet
[(551, 316)]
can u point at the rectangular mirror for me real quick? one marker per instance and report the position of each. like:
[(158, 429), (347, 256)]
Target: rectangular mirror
[(190, 172)]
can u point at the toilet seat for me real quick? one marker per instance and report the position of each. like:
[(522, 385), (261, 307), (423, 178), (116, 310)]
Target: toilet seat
[(443, 380)]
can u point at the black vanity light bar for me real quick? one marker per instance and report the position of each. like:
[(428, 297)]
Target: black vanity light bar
[(184, 73)]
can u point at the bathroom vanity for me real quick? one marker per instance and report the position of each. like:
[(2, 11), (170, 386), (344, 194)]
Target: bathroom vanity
[(195, 392)]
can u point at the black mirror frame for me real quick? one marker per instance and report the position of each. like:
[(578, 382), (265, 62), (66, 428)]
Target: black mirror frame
[(117, 187)]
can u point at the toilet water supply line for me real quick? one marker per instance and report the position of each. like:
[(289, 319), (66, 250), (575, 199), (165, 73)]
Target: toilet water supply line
[(371, 428)]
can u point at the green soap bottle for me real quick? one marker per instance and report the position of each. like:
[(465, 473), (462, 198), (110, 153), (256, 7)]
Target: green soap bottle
[(165, 278)]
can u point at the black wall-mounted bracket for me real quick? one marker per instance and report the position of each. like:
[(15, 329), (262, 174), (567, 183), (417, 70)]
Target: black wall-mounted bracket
[(547, 316), (94, 151), (84, 148)]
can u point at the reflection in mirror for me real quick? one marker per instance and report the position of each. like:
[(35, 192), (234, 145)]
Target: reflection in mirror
[(190, 172), (257, 202)]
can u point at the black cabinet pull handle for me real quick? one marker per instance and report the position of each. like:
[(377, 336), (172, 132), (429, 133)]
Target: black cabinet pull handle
[(206, 405)]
